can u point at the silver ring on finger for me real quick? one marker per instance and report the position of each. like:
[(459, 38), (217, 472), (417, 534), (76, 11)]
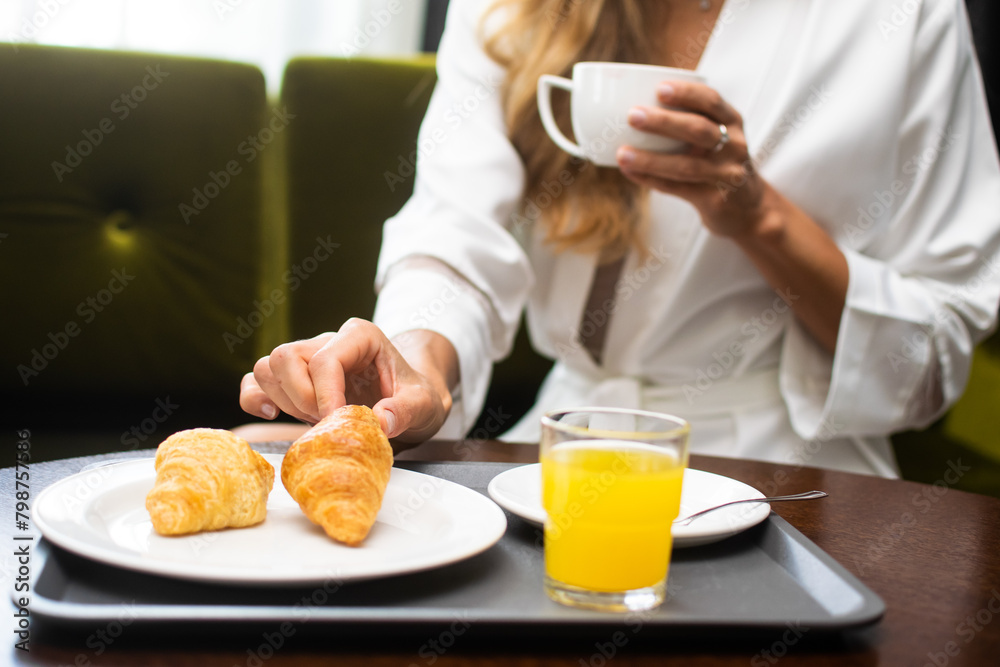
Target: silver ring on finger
[(723, 138)]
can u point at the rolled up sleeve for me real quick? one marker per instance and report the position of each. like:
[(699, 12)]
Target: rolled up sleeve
[(468, 185), (925, 288)]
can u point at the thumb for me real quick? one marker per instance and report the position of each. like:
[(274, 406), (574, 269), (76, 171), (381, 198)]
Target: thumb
[(409, 413), (385, 412)]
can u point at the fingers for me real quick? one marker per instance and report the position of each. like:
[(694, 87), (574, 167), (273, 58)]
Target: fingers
[(309, 379), (728, 202), (254, 400), (411, 412), (284, 378), (699, 98), (386, 415), (693, 128), (355, 350), (289, 366), (358, 364), (265, 378), (693, 113), (679, 168), (685, 191)]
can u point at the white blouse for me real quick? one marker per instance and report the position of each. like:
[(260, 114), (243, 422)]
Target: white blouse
[(868, 114)]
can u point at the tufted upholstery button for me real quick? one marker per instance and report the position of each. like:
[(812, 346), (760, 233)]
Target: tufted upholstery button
[(119, 228), (118, 302), (120, 219)]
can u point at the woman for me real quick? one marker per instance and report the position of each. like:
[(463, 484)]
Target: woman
[(811, 276)]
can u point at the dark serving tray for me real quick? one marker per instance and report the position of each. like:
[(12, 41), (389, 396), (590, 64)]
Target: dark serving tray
[(768, 578)]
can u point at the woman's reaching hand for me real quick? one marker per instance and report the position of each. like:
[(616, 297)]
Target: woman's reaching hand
[(407, 381)]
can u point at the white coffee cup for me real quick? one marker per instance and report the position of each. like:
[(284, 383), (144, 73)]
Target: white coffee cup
[(601, 95)]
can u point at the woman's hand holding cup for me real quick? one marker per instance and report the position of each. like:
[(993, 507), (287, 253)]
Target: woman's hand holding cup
[(715, 174), (666, 129)]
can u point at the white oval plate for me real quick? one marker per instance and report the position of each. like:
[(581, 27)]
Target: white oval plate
[(424, 522), (519, 491)]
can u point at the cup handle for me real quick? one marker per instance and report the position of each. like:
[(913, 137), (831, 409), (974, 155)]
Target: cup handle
[(545, 84)]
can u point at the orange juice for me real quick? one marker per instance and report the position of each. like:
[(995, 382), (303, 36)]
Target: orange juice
[(610, 506)]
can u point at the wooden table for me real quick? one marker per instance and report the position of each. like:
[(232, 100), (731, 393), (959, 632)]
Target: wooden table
[(930, 551)]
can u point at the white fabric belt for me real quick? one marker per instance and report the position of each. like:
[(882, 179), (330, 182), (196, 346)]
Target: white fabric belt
[(702, 398), (750, 404), (700, 401)]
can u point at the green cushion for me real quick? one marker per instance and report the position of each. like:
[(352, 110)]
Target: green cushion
[(967, 433), (974, 419), (116, 293)]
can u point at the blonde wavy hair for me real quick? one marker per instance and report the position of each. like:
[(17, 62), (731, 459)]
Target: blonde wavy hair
[(600, 210)]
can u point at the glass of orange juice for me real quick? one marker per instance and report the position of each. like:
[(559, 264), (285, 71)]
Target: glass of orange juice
[(611, 488)]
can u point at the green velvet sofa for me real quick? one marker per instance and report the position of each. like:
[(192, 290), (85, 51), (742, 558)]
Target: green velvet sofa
[(245, 222), (163, 224), (131, 218)]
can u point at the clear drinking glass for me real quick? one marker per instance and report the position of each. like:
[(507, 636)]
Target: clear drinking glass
[(611, 488)]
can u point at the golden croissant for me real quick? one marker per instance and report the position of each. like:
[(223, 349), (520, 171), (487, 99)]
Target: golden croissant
[(208, 479), (338, 471)]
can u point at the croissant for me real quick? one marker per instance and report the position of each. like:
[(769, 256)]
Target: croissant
[(208, 479), (338, 471)]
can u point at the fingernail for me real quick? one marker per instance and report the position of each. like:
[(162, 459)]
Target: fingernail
[(665, 90), (626, 155), (270, 412), (637, 116), (390, 423)]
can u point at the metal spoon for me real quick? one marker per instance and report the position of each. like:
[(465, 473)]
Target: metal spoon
[(808, 495)]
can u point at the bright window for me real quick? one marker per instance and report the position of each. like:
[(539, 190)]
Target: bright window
[(263, 32)]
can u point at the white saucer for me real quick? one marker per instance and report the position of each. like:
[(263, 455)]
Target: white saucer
[(519, 491)]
